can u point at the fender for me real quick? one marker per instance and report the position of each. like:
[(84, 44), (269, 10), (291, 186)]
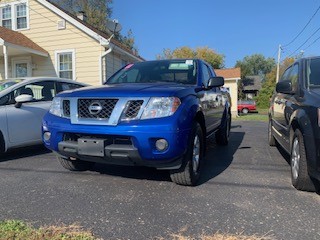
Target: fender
[(190, 110), (299, 119), (225, 112)]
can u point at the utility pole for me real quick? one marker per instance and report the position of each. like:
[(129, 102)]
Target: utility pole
[(278, 64)]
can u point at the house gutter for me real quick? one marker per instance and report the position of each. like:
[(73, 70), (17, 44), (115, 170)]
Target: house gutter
[(105, 44), (111, 47), (118, 49)]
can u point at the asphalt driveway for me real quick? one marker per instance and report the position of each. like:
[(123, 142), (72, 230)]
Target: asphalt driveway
[(246, 188)]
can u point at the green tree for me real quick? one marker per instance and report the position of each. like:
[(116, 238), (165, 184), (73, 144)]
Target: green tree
[(97, 11), (209, 55), (241, 95), (255, 64), (128, 40), (263, 98)]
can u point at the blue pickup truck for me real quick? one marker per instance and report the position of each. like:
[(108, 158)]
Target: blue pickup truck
[(154, 113)]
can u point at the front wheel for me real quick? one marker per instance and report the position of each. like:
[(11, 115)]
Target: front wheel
[(75, 165), (299, 169), (189, 173)]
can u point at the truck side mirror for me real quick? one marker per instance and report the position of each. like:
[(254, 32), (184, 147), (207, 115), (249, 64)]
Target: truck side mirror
[(284, 87), (216, 82)]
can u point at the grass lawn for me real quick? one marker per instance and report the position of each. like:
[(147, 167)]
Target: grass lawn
[(19, 230), (261, 115)]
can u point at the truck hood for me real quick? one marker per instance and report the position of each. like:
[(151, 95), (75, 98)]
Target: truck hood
[(132, 90)]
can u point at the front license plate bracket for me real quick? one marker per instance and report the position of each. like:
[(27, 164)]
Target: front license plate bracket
[(91, 146)]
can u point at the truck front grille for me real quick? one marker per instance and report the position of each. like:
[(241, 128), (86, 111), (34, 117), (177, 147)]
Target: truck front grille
[(133, 108), (66, 108), (96, 108)]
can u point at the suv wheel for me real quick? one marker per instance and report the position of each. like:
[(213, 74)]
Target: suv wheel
[(75, 165), (299, 172), (271, 139), (190, 171), (222, 135)]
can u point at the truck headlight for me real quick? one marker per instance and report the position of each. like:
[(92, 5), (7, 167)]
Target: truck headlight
[(56, 107), (159, 107)]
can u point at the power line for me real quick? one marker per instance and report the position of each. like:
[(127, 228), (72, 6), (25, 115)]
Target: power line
[(304, 42), (275, 53), (303, 28), (312, 43)]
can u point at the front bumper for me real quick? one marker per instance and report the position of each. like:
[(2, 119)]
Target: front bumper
[(125, 144)]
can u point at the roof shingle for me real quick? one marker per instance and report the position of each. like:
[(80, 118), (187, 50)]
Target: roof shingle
[(228, 73), (19, 39)]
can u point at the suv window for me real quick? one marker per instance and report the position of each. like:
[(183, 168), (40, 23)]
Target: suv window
[(293, 76), (285, 75), (313, 72)]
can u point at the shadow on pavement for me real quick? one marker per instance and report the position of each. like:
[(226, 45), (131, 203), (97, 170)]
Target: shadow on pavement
[(24, 152), (133, 172), (219, 158)]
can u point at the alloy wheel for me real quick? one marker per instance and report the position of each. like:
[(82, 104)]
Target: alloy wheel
[(295, 158), (196, 154)]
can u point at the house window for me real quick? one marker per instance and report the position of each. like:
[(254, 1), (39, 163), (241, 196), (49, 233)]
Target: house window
[(6, 17), (65, 64), (21, 11), (14, 15)]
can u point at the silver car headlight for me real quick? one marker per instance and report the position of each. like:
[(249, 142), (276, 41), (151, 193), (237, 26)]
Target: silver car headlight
[(159, 107), (56, 107)]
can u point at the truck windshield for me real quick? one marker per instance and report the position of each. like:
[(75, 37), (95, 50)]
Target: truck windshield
[(172, 71), (313, 72)]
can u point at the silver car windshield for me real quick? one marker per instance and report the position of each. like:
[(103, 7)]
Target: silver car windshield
[(172, 71)]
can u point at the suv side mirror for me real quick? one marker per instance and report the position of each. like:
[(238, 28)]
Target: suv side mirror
[(284, 87), (216, 82)]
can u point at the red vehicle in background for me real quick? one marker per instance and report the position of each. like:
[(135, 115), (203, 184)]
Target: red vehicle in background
[(245, 106)]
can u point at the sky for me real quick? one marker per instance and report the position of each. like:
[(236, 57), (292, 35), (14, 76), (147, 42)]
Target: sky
[(234, 28)]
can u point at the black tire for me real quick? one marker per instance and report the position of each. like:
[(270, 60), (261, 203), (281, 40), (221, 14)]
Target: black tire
[(245, 110), (298, 162), (189, 173), (222, 135), (271, 139), (2, 144), (75, 165)]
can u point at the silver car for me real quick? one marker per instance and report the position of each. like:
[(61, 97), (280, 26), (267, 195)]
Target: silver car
[(22, 107)]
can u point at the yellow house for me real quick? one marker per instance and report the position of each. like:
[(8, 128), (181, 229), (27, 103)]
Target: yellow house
[(38, 38), (231, 77)]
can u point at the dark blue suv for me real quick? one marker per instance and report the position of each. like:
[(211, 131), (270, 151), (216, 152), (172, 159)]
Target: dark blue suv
[(155, 113), (294, 121)]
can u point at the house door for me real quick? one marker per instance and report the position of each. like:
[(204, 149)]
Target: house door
[(21, 68)]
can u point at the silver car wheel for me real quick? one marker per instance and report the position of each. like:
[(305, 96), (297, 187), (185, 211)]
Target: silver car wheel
[(295, 158), (196, 154)]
